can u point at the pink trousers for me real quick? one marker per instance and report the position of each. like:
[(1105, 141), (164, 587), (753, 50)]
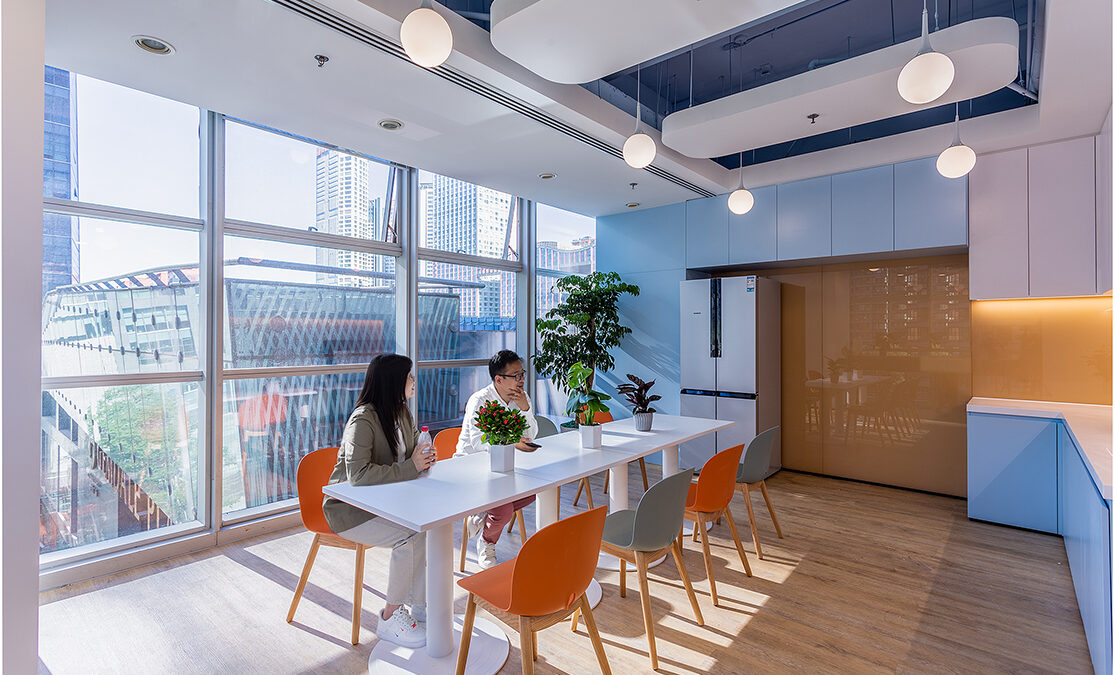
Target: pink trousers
[(498, 516)]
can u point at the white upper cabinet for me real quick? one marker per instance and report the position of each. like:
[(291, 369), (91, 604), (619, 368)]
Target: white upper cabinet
[(999, 243), (1062, 200)]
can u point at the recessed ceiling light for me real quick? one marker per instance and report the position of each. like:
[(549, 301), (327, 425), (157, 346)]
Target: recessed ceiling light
[(153, 45), (547, 175), (390, 125), (632, 205)]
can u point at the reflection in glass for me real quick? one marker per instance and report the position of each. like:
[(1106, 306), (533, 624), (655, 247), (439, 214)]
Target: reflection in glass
[(464, 312), (460, 217), (116, 461), (443, 394)]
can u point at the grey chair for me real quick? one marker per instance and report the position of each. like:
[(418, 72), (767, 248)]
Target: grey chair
[(645, 534), (752, 472), (546, 427)]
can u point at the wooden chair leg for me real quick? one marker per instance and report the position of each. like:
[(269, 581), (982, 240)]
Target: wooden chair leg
[(708, 559), (694, 532), (357, 594), (464, 543), (522, 525), (526, 645), (597, 645), (643, 469), (511, 523), (680, 562), (623, 578), (739, 546), (644, 599), (576, 619), (770, 508), (310, 557), (588, 493), (534, 644), (466, 634), (751, 519), (583, 486)]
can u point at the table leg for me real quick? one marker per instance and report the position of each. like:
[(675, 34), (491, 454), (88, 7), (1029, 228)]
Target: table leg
[(670, 459), (546, 508), (618, 491), (439, 590)]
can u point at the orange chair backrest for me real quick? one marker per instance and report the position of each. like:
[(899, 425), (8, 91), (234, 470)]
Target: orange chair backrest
[(445, 443), (555, 566), (313, 474), (602, 417), (717, 482), (258, 412)]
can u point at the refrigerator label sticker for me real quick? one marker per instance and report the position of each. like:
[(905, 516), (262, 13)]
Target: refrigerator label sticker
[(750, 284)]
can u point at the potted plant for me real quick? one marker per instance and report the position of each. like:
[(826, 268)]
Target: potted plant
[(584, 403), (503, 427), (582, 328), (636, 394)]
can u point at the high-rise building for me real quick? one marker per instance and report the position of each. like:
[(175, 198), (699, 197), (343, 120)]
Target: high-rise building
[(345, 206), (555, 261), (61, 244)]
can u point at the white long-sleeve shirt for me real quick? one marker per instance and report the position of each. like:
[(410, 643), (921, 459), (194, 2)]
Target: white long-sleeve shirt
[(470, 440)]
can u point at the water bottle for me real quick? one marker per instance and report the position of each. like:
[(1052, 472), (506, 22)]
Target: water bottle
[(425, 443)]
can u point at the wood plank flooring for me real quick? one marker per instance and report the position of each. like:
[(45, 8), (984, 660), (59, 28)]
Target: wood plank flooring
[(868, 579)]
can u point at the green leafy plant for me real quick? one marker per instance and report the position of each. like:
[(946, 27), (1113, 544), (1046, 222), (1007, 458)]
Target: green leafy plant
[(501, 425), (584, 401), (636, 394), (583, 327)]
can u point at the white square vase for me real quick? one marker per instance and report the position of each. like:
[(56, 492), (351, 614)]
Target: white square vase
[(502, 458), (591, 436)]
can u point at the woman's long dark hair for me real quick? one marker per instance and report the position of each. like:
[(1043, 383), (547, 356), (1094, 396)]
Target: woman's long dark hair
[(385, 390)]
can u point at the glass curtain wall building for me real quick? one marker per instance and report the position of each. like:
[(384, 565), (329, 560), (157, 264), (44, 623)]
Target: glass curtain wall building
[(191, 349)]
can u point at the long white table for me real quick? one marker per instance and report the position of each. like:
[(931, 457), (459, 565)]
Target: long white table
[(457, 487)]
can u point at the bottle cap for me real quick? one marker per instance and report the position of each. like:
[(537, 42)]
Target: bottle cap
[(425, 428)]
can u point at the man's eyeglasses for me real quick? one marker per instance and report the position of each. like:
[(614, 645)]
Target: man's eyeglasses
[(519, 376)]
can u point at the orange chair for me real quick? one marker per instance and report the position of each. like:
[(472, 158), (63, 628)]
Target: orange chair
[(601, 418), (542, 586), (445, 445), (313, 474), (710, 498)]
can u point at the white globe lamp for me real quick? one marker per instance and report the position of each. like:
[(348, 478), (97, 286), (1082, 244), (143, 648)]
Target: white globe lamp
[(639, 150), (957, 160), (926, 77), (426, 37), (741, 201)]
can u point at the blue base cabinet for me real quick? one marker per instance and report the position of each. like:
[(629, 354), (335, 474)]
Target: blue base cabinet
[(1012, 470), (1086, 527)]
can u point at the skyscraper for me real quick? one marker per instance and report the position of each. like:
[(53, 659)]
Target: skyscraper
[(61, 244), (345, 206), (555, 260)]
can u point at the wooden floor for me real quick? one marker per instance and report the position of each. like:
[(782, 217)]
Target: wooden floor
[(868, 579)]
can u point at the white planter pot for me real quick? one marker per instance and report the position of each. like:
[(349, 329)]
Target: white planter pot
[(502, 458), (591, 436), (643, 421)]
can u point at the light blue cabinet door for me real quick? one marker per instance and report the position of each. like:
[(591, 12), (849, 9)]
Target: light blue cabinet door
[(1012, 471), (753, 237), (929, 209), (805, 219), (706, 231), (1086, 526), (863, 211)]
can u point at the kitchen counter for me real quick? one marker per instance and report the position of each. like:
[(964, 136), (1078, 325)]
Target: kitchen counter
[(1089, 425)]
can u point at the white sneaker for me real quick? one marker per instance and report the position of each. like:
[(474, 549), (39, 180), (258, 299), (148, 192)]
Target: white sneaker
[(485, 554), (402, 629), (418, 612), (475, 524)]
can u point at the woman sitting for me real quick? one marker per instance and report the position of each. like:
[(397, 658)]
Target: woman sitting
[(378, 447)]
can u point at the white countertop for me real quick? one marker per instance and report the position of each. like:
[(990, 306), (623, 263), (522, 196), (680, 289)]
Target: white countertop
[(454, 488), (1090, 426)]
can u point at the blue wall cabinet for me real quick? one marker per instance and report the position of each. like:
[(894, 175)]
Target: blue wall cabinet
[(753, 237), (929, 209), (642, 241), (863, 211), (805, 219), (706, 232), (1012, 471), (1086, 523)]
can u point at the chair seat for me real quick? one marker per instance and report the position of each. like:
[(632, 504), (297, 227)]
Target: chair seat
[(619, 528), (492, 585)]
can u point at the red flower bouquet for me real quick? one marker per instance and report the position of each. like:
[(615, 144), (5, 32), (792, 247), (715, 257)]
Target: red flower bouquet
[(501, 425)]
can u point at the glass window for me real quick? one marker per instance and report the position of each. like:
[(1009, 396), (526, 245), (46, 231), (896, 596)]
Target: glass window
[(291, 305), (464, 312), (272, 423), (275, 179), (443, 394), (117, 461), (118, 297), (459, 217), (108, 144)]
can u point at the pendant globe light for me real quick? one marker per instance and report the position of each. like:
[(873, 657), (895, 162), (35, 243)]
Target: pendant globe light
[(957, 160), (927, 76), (741, 200), (426, 36), (639, 148)]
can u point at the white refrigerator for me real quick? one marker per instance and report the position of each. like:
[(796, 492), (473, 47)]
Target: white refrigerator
[(731, 348)]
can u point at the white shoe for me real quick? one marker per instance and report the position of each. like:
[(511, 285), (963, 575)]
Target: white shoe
[(418, 612), (485, 554), (475, 524), (402, 629)]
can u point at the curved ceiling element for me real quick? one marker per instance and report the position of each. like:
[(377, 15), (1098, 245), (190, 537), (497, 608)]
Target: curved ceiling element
[(844, 94), (576, 41)]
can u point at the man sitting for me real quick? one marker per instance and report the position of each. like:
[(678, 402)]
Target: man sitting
[(507, 373)]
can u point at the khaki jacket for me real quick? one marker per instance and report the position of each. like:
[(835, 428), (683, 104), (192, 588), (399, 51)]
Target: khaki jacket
[(365, 458)]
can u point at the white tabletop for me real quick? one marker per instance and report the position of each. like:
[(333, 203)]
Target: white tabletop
[(456, 487)]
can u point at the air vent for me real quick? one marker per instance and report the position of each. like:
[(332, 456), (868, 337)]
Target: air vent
[(343, 25)]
